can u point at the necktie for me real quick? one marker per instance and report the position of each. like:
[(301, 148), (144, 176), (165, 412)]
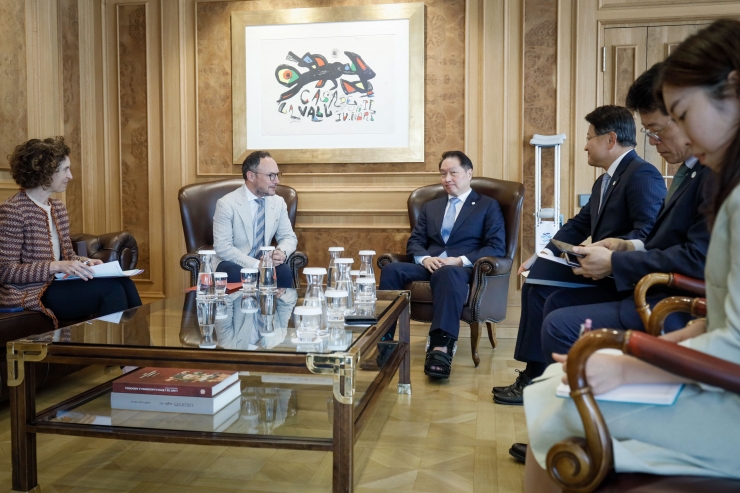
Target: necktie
[(449, 220), (681, 173), (259, 227), (604, 186)]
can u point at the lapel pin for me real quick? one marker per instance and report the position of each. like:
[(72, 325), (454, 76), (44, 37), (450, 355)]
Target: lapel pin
[(693, 174), (614, 183), (472, 203)]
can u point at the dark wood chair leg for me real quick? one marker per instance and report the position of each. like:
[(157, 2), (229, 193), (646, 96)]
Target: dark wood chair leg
[(492, 334), (475, 341)]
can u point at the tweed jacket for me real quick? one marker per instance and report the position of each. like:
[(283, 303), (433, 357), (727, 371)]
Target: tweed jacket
[(26, 251)]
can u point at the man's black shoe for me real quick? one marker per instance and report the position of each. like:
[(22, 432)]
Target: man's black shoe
[(515, 395), (518, 451), (500, 390)]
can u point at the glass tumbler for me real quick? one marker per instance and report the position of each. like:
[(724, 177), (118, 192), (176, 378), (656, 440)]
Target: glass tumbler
[(307, 321), (365, 289), (336, 304), (249, 279), (249, 303), (221, 279)]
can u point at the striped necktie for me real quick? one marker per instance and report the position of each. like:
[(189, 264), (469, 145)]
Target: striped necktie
[(449, 220), (259, 228)]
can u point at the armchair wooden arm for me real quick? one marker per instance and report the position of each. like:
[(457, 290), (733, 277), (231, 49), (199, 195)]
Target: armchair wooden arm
[(671, 280), (695, 306), (580, 465)]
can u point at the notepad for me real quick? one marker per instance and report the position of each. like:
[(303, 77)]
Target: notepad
[(109, 269), (660, 394)]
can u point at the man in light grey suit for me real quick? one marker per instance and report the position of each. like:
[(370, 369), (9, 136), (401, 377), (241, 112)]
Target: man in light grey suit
[(249, 217)]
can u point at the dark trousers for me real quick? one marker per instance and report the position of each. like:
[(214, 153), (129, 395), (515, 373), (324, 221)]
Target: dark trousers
[(233, 271), (528, 341), (566, 309), (73, 300), (449, 289)]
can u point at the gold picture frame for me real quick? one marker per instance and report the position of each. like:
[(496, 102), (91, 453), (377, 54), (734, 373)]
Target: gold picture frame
[(413, 12)]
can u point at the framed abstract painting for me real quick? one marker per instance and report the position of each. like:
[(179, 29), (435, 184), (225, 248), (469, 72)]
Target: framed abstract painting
[(329, 85)]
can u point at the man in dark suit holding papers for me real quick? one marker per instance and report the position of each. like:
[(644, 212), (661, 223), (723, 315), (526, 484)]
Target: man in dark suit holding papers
[(624, 204), (678, 242), (451, 234)]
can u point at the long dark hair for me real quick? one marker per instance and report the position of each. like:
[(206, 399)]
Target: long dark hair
[(706, 60)]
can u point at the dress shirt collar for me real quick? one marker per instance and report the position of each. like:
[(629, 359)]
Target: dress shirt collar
[(613, 168), (691, 162), (248, 194), (462, 197)]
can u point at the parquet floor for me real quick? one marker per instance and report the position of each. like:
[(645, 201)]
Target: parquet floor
[(445, 437)]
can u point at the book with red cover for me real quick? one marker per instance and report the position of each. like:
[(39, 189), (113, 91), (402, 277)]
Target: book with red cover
[(175, 381)]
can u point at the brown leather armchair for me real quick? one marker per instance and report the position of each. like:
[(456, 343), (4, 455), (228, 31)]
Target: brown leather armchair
[(107, 247), (197, 206), (489, 287), (586, 465)]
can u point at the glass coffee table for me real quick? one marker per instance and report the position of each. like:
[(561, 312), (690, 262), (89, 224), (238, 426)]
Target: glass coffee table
[(305, 395)]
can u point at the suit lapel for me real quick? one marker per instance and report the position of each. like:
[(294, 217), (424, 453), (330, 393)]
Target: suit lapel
[(693, 173), (467, 208), (435, 216), (614, 180), (245, 213)]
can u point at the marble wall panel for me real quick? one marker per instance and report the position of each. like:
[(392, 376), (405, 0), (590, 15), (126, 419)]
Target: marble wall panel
[(444, 83), (132, 63), (71, 100), (316, 243), (13, 99), (540, 65)]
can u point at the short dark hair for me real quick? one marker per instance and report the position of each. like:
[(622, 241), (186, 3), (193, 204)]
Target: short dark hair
[(465, 161), (252, 162), (641, 95), (33, 163), (617, 119)]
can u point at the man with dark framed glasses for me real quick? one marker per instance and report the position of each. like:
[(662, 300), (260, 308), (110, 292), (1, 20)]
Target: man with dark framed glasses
[(249, 218)]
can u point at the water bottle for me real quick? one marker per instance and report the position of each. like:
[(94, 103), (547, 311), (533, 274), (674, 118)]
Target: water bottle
[(268, 276), (366, 263), (332, 273), (206, 279)]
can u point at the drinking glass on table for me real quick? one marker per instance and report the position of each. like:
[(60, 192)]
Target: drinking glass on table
[(249, 279), (336, 304), (221, 280), (365, 289)]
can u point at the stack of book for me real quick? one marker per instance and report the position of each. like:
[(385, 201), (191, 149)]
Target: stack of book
[(175, 391)]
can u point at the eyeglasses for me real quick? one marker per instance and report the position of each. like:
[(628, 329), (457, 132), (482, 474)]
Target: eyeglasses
[(271, 176), (654, 135)]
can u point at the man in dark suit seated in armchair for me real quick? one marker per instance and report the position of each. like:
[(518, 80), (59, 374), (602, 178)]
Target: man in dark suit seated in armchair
[(624, 203), (451, 234)]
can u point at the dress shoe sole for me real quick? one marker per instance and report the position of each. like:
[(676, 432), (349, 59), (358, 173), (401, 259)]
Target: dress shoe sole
[(507, 403), (516, 455)]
